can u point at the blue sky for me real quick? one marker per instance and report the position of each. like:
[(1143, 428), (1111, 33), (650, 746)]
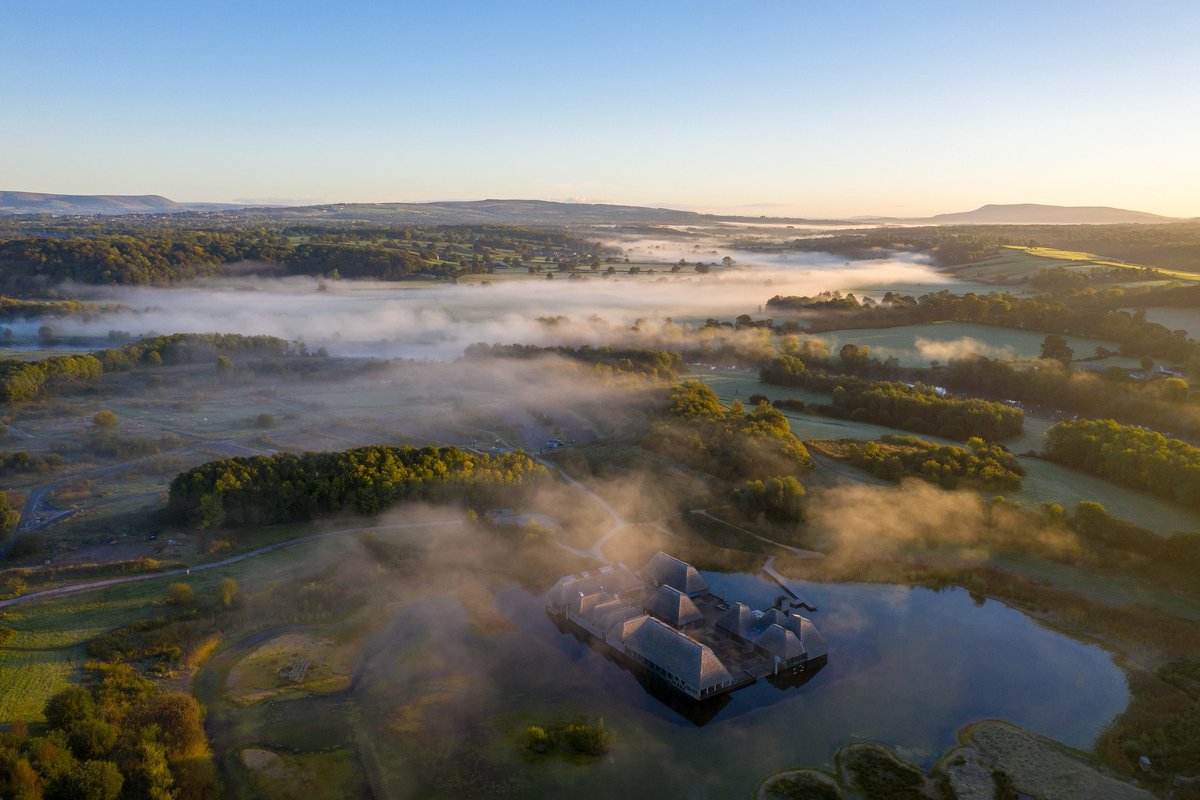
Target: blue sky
[(804, 107)]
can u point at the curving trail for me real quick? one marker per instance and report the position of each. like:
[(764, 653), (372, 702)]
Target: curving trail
[(91, 586), (596, 551)]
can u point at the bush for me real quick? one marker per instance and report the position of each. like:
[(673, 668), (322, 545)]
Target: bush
[(227, 593), (180, 594), (577, 736), (104, 420)]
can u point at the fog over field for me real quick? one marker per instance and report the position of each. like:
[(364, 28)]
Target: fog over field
[(438, 321)]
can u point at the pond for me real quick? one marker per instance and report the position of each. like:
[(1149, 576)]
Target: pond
[(907, 668), (442, 705)]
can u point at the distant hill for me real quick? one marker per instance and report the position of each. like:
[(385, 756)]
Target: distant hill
[(497, 212), (467, 212), (516, 212), (1033, 214), (542, 212), (39, 203)]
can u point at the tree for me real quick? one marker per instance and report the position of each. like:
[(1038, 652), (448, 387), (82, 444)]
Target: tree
[(104, 420), (227, 592), (854, 356), (1055, 348), (152, 777), (71, 705), (177, 717), (224, 365), (727, 262), (23, 782), (180, 594), (9, 517), (96, 780), (91, 738)]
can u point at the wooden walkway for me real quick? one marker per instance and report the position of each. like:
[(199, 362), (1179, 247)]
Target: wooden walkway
[(798, 599)]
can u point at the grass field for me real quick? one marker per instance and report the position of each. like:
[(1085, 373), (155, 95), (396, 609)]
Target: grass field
[(1017, 263), (1044, 483), (1176, 319), (29, 679), (1012, 265)]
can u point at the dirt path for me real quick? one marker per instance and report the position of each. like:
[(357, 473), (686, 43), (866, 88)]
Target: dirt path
[(91, 586), (796, 551), (36, 515), (596, 551)]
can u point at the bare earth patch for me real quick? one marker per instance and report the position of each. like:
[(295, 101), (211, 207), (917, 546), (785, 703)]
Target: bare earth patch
[(288, 663), (1040, 767)]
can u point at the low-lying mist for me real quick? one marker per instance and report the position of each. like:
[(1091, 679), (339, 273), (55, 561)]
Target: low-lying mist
[(437, 321), (864, 523)]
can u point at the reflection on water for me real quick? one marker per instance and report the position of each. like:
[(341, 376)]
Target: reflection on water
[(441, 704), (907, 668)]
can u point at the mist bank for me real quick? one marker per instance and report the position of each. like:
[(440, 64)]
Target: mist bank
[(437, 321)]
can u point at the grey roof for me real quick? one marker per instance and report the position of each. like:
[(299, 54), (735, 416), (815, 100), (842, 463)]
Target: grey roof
[(738, 619), (591, 601), (695, 664), (780, 642), (673, 606), (613, 580), (773, 616), (618, 633), (612, 617), (809, 637), (663, 568)]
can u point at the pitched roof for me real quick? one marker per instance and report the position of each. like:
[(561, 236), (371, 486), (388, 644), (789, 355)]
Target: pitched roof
[(804, 630), (673, 606), (608, 619), (738, 619), (613, 580), (591, 601), (780, 642), (677, 654), (618, 633), (810, 637), (663, 568)]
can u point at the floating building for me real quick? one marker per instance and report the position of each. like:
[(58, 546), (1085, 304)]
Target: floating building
[(664, 622)]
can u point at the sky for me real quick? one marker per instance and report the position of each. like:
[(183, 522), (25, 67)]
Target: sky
[(816, 108)]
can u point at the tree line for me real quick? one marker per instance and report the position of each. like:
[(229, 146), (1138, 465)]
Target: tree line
[(1085, 313), (892, 458), (152, 252), (917, 408), (26, 380), (1144, 459), (1112, 393), (663, 364), (287, 487)]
